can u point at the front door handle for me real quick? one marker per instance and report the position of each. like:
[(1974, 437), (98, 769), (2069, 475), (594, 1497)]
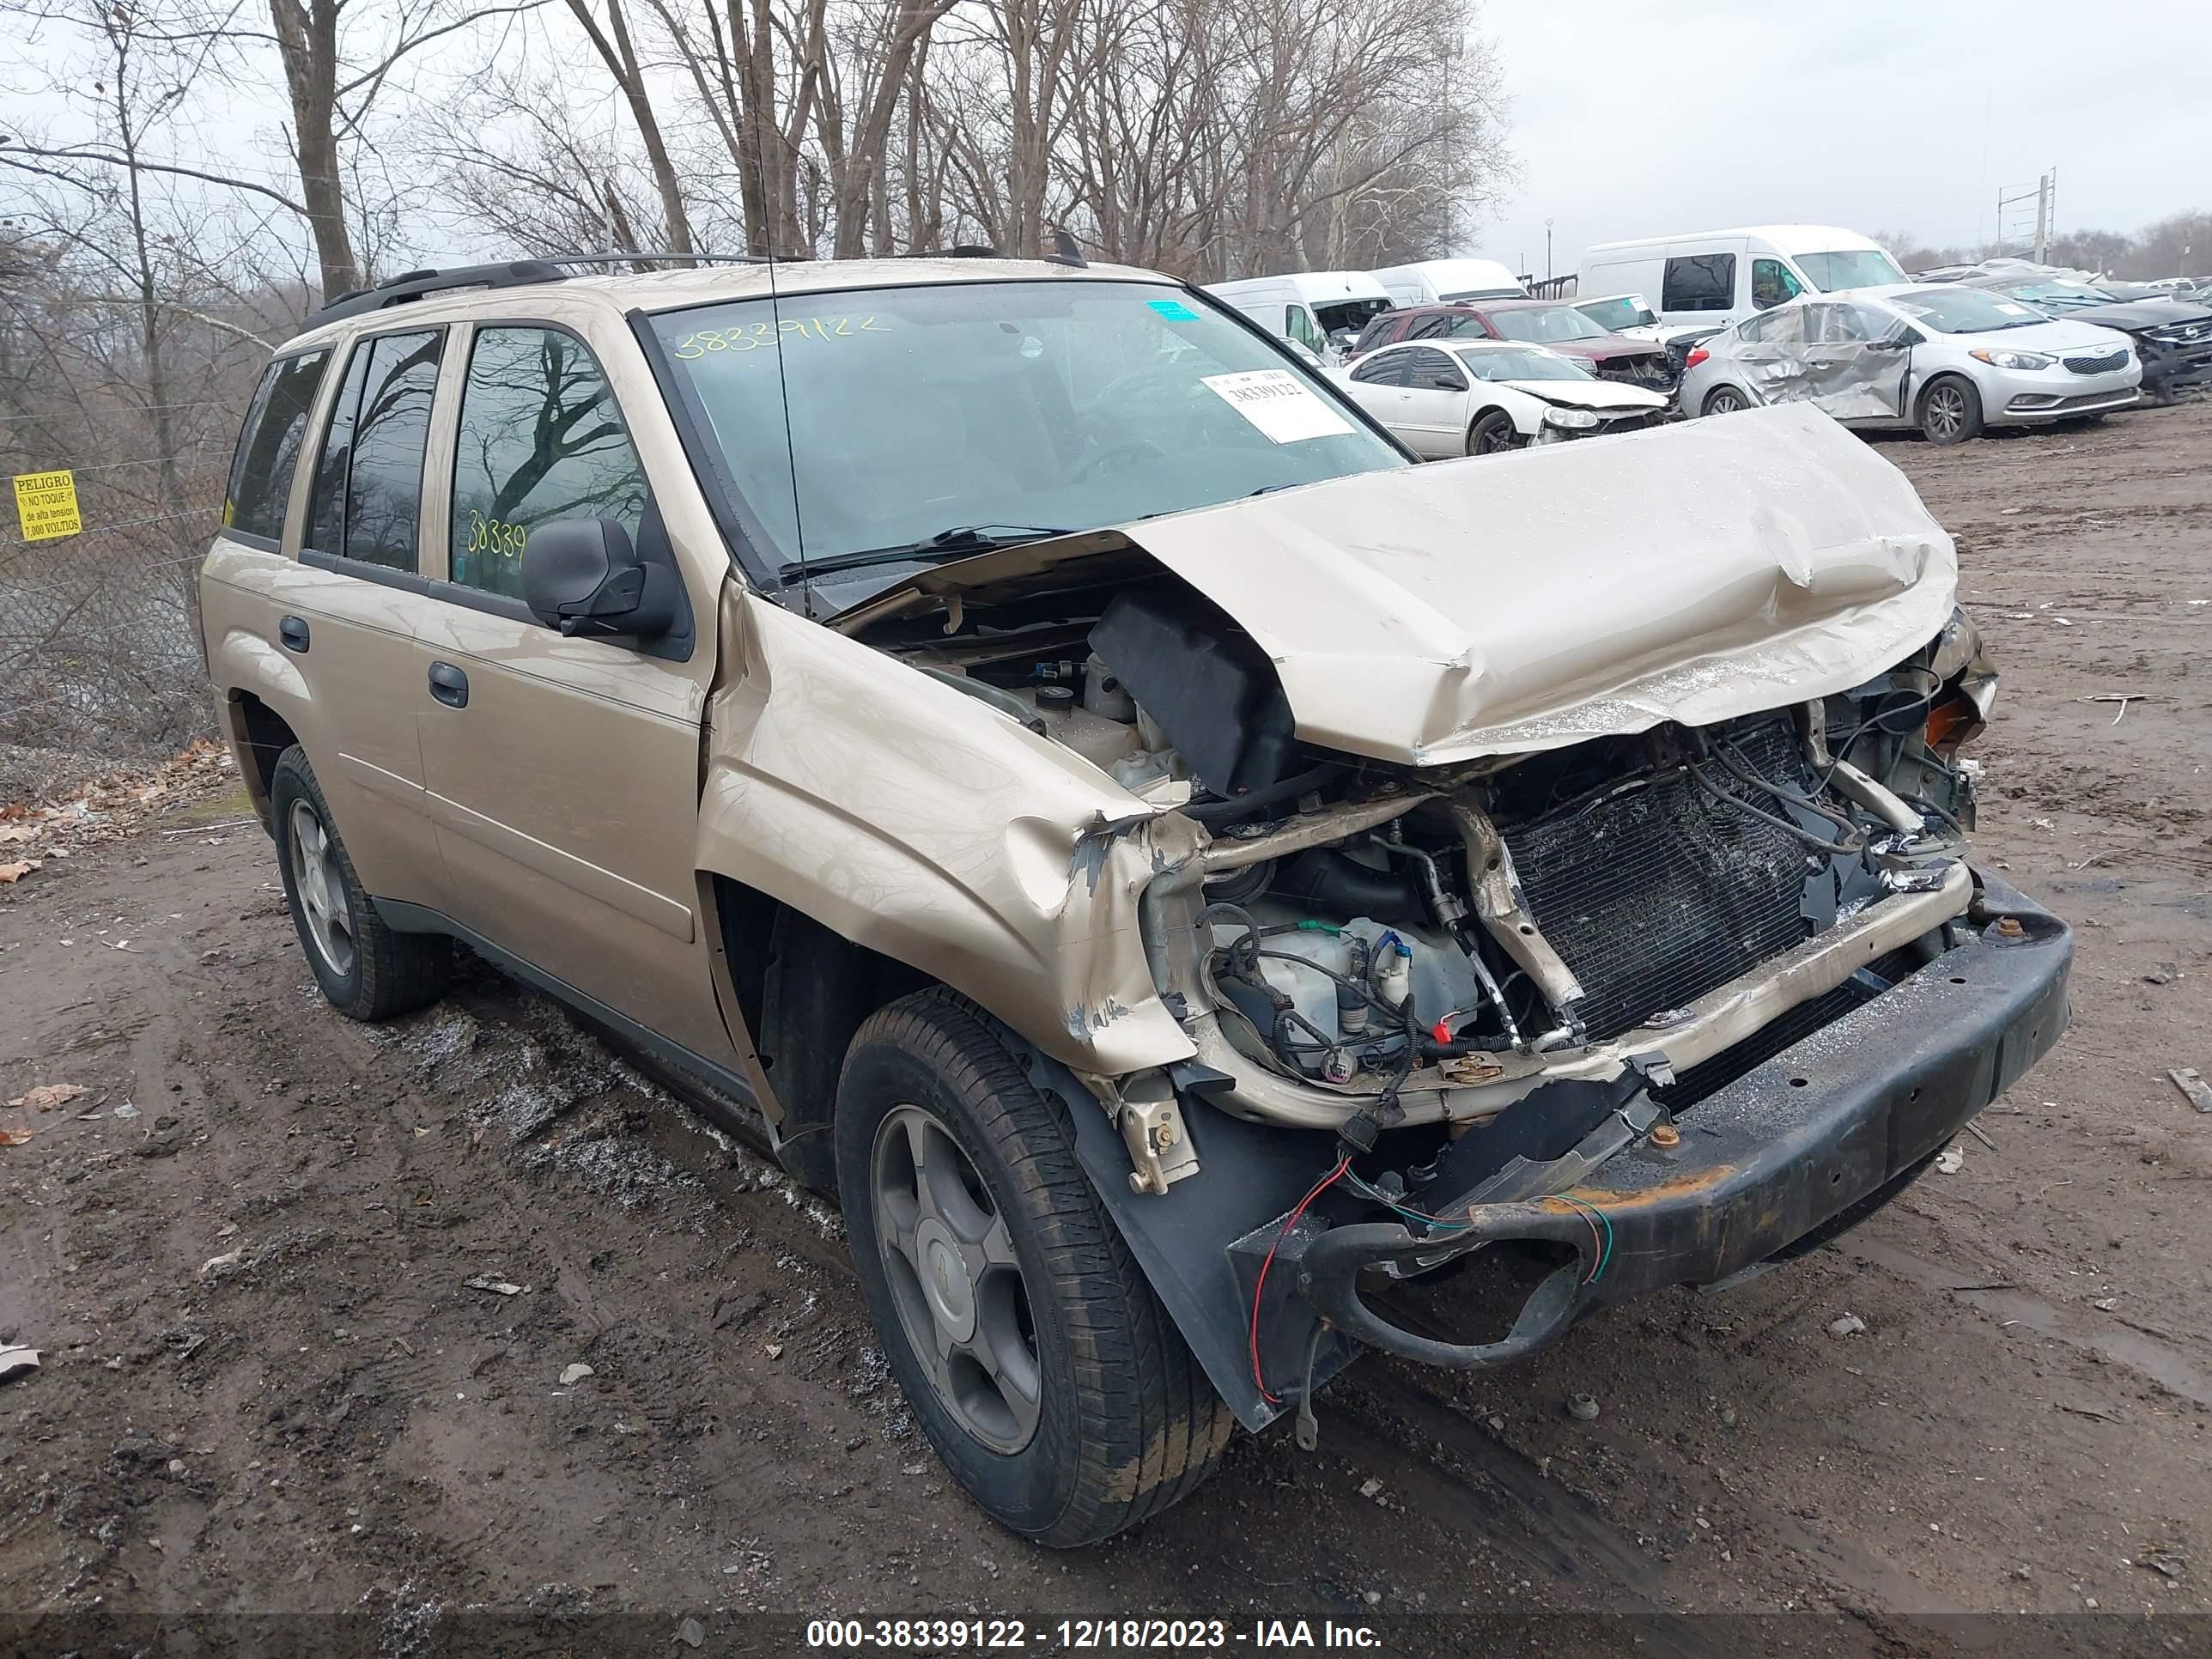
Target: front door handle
[(449, 685), (292, 632)]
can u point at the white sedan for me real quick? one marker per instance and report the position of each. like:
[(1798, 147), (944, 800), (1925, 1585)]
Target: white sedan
[(1462, 396)]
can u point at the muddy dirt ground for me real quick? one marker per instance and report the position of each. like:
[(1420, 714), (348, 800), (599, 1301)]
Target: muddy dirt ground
[(253, 1254)]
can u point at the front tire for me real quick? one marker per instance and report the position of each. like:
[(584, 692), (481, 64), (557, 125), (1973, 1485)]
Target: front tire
[(1030, 1345), (1493, 435), (367, 971), (1950, 410)]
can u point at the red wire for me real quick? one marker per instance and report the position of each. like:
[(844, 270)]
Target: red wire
[(1260, 1287)]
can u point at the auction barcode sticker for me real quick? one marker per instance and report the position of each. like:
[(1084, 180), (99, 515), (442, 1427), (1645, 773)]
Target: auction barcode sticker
[(1278, 403), (46, 505)]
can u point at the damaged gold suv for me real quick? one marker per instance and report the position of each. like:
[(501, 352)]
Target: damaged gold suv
[(1171, 867)]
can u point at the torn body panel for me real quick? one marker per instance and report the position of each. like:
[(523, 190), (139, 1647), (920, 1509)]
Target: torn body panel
[(936, 829)]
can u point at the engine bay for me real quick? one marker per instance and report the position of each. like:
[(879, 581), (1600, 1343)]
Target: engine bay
[(1363, 928)]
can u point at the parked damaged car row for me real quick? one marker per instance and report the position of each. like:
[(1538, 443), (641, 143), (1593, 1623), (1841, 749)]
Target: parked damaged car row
[(1175, 873)]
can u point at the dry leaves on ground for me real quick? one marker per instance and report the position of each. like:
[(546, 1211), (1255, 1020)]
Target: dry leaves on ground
[(14, 872), (47, 1096)]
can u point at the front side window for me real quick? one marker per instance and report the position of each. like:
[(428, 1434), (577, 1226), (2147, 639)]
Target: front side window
[(994, 408), (1773, 284), (368, 503), (269, 447), (1832, 273), (540, 439), (1543, 325), (1698, 281), (1298, 325), (1433, 371)]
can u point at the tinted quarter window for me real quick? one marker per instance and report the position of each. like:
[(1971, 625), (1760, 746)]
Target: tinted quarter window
[(1699, 282), (369, 483), (1385, 370), (269, 448), (327, 508), (540, 440)]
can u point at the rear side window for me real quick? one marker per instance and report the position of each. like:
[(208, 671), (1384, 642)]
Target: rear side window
[(269, 447), (540, 440), (1387, 369), (1784, 327), (1699, 282), (368, 503)]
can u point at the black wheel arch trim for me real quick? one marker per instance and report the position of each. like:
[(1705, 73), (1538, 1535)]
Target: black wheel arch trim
[(1253, 1176)]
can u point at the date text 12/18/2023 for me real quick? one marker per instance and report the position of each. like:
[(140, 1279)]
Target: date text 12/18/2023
[(1082, 1635)]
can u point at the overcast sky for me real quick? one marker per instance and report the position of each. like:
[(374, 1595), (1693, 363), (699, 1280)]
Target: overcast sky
[(1637, 117)]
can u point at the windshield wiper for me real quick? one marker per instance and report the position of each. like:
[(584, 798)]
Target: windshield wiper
[(959, 540)]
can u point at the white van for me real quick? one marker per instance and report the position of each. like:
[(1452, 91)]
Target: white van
[(1443, 281), (1717, 277), (1320, 310)]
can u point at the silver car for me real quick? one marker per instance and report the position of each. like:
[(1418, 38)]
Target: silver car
[(1947, 359)]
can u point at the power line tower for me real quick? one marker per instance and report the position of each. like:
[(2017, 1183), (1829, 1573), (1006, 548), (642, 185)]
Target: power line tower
[(2013, 211)]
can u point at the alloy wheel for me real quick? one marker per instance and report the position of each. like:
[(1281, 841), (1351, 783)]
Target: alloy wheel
[(321, 887), (954, 1275), (1946, 412)]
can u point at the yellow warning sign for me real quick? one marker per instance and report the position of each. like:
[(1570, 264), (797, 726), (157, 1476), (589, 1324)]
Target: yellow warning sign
[(46, 505)]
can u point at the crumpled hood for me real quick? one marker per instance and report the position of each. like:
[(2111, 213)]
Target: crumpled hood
[(1523, 602), (1590, 394), (2133, 314)]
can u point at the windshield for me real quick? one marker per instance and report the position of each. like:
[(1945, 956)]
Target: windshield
[(1965, 310), (1512, 365), (1627, 311), (1862, 268), (2058, 293), (1014, 408), (1353, 314), (1542, 325)]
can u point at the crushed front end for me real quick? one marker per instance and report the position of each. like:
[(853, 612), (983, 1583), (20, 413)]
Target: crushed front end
[(1647, 1010)]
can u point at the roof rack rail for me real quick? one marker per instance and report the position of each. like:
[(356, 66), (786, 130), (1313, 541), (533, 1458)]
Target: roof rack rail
[(642, 258), (1065, 252), (514, 273), (414, 284)]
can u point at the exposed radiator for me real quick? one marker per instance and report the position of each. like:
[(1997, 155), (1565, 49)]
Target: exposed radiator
[(1656, 895)]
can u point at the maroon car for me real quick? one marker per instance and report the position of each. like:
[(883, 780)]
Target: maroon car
[(1533, 322)]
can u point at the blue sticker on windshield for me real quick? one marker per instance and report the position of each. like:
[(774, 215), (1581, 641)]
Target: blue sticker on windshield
[(1174, 310)]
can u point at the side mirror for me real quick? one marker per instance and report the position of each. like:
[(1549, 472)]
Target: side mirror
[(583, 577)]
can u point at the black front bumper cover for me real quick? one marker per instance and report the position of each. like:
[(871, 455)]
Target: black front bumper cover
[(1794, 1151)]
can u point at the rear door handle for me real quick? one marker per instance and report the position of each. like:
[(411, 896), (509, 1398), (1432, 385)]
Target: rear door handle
[(449, 685), (292, 632)]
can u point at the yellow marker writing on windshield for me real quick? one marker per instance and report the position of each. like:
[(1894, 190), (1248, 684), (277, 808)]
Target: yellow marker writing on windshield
[(751, 336)]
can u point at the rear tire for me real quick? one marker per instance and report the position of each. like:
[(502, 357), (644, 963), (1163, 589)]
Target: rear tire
[(1030, 1345), (1492, 434), (1724, 400), (1950, 410), (367, 971)]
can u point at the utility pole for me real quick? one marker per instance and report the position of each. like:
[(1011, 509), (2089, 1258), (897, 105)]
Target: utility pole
[(1547, 249), (2043, 217)]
